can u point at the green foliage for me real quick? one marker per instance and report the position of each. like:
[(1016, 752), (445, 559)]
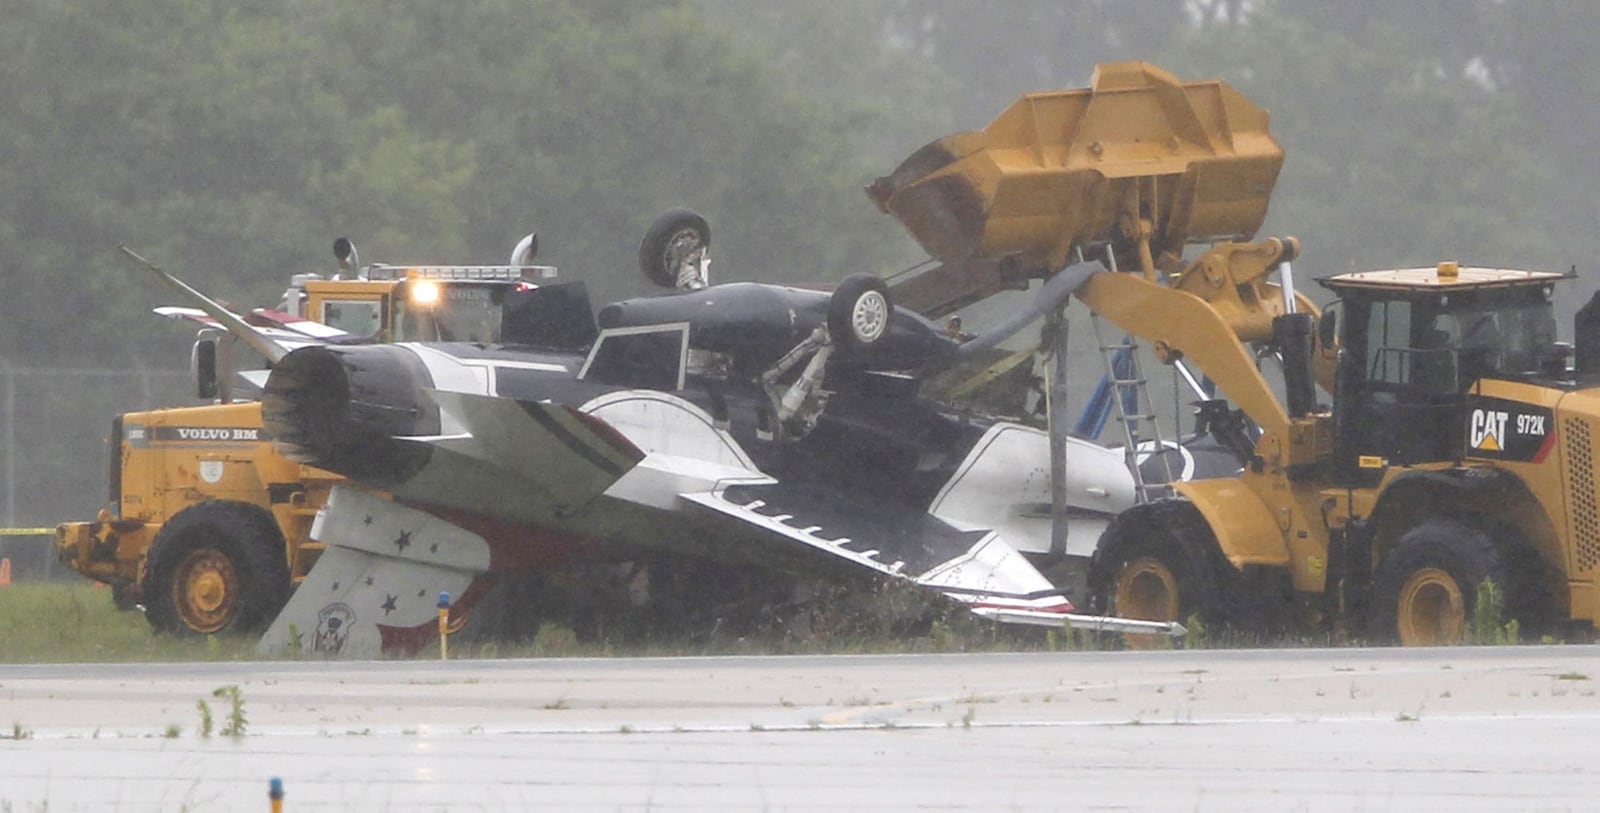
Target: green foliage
[(1072, 639), (1488, 625), (237, 722), (207, 722), (57, 623), (1196, 636), (232, 146), (1393, 159)]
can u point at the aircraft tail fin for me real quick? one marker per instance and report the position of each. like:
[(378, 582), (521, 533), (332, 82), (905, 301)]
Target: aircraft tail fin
[(377, 587)]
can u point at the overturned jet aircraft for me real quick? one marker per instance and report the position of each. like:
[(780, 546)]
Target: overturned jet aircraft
[(740, 422)]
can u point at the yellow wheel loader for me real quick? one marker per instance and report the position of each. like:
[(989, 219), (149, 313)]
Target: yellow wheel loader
[(1447, 457), (208, 526)]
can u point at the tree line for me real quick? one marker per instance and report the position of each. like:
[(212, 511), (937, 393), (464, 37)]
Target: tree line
[(232, 144)]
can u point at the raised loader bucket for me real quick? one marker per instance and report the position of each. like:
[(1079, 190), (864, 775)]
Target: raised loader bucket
[(1194, 160)]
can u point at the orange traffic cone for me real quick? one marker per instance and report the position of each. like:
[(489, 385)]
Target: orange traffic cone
[(5, 572)]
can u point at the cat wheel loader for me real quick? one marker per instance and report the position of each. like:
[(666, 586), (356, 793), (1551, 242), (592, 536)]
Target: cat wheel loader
[(1431, 444)]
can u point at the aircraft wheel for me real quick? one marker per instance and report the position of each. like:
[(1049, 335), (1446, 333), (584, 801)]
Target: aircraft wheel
[(216, 568), (673, 237), (1427, 588), (859, 311)]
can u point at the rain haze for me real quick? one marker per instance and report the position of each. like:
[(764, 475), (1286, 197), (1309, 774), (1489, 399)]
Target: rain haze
[(232, 146)]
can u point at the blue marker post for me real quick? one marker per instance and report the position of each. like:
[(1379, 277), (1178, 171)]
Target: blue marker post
[(444, 625), (275, 793)]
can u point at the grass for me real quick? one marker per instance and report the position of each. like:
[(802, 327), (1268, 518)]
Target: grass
[(44, 622), (1488, 626), (237, 722)]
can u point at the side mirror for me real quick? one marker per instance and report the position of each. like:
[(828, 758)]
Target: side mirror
[(203, 365)]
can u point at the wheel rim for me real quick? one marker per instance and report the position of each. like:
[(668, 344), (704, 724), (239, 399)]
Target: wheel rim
[(205, 590), (870, 316), (1431, 611), (1146, 590), (681, 248)]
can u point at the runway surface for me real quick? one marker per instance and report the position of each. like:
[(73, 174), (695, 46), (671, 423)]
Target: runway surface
[(1372, 730)]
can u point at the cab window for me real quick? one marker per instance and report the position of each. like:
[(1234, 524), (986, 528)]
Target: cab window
[(1388, 339), (454, 312), (358, 317)]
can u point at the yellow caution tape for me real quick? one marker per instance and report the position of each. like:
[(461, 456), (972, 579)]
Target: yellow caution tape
[(27, 532)]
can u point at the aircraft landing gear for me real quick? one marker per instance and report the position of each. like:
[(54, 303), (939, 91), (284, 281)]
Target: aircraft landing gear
[(858, 317), (673, 253)]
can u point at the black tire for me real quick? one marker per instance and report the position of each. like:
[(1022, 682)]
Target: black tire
[(672, 235), (1426, 590), (216, 568), (124, 597), (859, 311), (1156, 566)]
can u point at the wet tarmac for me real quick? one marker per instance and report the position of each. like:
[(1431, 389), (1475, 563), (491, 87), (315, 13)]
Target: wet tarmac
[(1459, 729)]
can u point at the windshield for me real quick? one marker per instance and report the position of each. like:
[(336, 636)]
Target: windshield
[(1506, 340), (432, 311)]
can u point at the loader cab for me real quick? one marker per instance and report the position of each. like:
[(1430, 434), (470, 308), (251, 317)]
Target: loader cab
[(423, 303), (1414, 343)]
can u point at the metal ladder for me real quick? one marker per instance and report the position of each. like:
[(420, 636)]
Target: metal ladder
[(1134, 411)]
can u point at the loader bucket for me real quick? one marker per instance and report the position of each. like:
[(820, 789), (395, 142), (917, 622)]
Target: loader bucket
[(1067, 167)]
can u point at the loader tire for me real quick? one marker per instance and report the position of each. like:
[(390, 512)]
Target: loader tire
[(216, 568), (1156, 568), (1426, 591)]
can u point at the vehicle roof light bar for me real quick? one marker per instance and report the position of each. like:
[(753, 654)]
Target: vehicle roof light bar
[(474, 273)]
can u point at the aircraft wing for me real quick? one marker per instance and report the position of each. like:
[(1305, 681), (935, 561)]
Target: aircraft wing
[(974, 567), (577, 456), (561, 459), (572, 457)]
